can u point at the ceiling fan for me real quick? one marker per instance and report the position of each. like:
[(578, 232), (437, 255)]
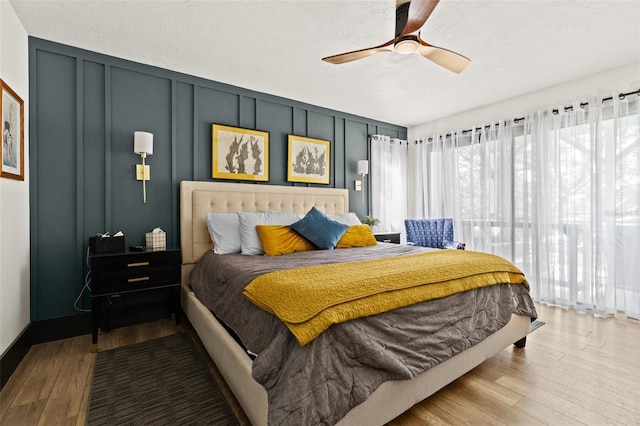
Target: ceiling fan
[(410, 17)]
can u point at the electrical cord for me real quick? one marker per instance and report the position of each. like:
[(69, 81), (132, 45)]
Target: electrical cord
[(87, 286)]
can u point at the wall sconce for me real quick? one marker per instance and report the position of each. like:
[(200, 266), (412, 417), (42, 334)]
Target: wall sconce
[(363, 170), (143, 145)]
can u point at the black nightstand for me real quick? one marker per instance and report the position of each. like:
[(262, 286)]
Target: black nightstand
[(126, 272), (388, 237)]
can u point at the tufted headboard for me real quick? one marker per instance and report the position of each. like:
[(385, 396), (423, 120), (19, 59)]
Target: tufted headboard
[(199, 198)]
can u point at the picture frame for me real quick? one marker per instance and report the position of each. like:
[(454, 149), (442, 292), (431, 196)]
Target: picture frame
[(309, 160), (12, 152), (239, 154)]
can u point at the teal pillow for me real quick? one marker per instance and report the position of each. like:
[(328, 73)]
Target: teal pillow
[(323, 232)]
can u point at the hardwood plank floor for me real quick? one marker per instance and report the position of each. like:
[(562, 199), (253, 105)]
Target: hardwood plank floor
[(575, 370)]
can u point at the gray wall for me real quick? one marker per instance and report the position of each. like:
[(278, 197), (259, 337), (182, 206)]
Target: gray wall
[(84, 109)]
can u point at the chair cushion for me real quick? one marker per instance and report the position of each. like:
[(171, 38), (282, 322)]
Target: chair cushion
[(429, 232)]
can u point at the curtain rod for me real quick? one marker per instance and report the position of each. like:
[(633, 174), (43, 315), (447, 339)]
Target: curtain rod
[(621, 96), (370, 136)]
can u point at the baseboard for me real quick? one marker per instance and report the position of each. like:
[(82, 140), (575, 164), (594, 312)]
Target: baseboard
[(12, 357), (60, 328)]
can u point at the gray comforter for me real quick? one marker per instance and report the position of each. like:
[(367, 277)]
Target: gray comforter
[(319, 383)]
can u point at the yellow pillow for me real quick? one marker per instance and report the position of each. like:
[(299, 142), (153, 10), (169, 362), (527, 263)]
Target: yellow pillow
[(357, 236), (281, 239)]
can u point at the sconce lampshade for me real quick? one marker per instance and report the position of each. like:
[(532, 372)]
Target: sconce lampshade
[(363, 167), (143, 142)]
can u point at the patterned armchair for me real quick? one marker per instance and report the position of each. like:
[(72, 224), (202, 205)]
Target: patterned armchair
[(436, 233)]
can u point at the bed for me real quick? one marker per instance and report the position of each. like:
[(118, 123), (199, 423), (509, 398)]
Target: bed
[(388, 400)]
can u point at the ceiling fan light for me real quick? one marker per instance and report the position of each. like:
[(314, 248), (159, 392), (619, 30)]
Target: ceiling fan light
[(405, 47)]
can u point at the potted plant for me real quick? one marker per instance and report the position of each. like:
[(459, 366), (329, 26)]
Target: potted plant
[(370, 220)]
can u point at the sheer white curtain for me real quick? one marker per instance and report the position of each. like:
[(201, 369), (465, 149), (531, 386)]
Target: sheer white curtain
[(487, 201), (559, 195), (389, 182), (434, 186), (585, 243)]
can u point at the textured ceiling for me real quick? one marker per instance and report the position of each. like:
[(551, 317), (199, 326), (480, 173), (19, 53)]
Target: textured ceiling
[(276, 47)]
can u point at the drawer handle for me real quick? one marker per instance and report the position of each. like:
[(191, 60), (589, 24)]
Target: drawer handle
[(131, 265), (135, 280), (386, 241)]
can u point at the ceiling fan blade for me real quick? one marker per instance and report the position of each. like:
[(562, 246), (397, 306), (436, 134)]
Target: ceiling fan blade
[(445, 58), (419, 12), (359, 54)]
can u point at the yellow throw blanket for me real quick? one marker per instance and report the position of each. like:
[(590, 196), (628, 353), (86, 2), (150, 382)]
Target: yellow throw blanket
[(308, 300)]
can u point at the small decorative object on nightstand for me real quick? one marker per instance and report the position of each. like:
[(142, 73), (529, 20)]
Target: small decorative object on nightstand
[(130, 271), (388, 237)]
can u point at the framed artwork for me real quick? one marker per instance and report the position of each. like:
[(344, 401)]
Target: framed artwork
[(308, 160), (12, 154), (239, 154)]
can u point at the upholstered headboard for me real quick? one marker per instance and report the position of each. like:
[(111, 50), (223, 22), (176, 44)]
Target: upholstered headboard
[(199, 198)]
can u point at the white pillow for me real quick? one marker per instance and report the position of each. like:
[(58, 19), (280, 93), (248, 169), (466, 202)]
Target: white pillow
[(346, 218), (250, 240), (224, 229), (287, 217)]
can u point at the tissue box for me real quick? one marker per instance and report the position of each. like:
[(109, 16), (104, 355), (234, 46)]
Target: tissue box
[(156, 240), (98, 245)]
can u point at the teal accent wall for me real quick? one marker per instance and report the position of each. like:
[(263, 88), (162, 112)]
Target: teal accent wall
[(84, 108)]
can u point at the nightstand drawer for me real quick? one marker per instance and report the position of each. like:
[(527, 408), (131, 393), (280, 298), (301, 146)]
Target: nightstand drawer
[(388, 237), (137, 280), (124, 263)]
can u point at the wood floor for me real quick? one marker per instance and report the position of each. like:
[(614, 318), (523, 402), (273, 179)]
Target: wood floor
[(575, 370)]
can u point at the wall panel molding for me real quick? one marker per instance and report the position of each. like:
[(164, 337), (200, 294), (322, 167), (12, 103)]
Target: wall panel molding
[(174, 169), (79, 231), (107, 147)]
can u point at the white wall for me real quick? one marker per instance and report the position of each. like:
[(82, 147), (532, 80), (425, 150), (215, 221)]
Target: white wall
[(618, 80), (14, 195)]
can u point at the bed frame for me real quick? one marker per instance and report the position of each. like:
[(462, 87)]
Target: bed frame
[(391, 398)]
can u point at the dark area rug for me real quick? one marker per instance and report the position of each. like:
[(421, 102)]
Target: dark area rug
[(159, 382), (535, 325)]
